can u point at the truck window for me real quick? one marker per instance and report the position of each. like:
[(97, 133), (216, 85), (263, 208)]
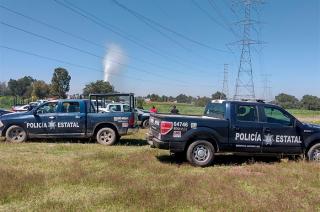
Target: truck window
[(246, 113), (215, 110), (126, 108), (50, 107), (276, 116), (70, 107), (115, 108)]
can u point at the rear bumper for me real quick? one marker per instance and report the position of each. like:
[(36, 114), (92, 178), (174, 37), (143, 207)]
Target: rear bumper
[(168, 145)]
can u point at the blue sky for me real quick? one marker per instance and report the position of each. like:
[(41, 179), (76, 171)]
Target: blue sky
[(169, 66)]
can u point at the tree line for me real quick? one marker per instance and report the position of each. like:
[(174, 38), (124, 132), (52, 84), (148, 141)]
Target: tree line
[(30, 88)]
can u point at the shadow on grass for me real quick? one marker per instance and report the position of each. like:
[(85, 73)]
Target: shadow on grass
[(121, 142), (132, 142), (221, 160)]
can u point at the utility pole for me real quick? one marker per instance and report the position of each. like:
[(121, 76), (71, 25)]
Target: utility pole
[(225, 88), (244, 83)]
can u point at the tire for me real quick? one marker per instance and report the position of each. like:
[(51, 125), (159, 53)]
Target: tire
[(16, 134), (106, 136), (145, 123), (200, 153), (313, 153)]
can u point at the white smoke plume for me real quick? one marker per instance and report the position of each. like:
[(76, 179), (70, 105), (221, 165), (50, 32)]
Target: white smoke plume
[(113, 61)]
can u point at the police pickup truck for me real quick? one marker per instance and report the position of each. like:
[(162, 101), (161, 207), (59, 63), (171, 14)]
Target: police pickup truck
[(70, 118), (234, 127)]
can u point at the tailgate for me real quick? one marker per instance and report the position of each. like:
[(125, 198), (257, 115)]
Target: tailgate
[(154, 126)]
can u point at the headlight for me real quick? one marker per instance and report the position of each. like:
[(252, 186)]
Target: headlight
[(1, 124)]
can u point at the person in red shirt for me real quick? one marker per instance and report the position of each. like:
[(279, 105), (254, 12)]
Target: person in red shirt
[(153, 109)]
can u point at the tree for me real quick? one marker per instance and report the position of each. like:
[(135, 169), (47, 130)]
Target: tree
[(21, 87), (218, 95), (98, 86), (40, 89), (154, 97), (4, 90), (182, 98), (287, 101), (202, 101), (310, 102), (60, 83)]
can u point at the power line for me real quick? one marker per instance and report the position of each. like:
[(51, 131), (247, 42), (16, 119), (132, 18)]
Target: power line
[(82, 66), (75, 36), (103, 24), (85, 52), (208, 14), (136, 14), (223, 18)]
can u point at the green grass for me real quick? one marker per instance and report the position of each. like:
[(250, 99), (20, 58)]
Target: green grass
[(165, 107), (131, 176)]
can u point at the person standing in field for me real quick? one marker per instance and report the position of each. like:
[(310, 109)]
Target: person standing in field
[(174, 110), (153, 109)]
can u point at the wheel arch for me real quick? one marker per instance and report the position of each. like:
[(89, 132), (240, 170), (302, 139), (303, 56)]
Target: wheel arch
[(103, 125), (4, 131), (205, 134)]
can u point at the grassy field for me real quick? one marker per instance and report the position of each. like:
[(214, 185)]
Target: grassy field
[(302, 115), (131, 176)]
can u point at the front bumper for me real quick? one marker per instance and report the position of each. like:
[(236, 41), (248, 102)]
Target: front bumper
[(168, 145)]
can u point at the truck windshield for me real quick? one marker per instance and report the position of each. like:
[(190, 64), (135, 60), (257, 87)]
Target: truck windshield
[(215, 110)]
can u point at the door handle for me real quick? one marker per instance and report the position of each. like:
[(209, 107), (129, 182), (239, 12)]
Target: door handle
[(52, 117), (237, 129), (267, 130)]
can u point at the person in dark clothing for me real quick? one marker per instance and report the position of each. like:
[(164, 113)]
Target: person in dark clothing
[(174, 110)]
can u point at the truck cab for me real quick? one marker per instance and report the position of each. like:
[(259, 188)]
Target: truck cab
[(235, 127)]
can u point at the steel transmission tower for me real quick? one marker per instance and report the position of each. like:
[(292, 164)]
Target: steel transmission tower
[(225, 88), (244, 83), (267, 94)]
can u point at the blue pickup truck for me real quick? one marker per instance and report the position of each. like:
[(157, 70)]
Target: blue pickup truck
[(70, 118), (234, 127)]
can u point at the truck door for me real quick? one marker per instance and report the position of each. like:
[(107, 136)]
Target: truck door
[(71, 119), (43, 119), (280, 134), (246, 129)]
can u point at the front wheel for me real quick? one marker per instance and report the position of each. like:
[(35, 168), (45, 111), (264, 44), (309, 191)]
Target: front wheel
[(145, 124), (314, 153), (16, 134), (106, 136), (200, 153)]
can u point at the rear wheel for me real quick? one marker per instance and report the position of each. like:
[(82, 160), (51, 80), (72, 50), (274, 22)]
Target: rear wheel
[(314, 153), (200, 153), (16, 134), (106, 136), (145, 123)]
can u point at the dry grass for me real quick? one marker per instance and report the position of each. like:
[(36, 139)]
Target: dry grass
[(131, 176)]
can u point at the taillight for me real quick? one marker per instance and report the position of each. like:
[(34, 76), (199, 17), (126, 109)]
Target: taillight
[(165, 127), (131, 120)]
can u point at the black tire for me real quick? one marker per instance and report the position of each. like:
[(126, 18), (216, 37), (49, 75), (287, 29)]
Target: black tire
[(16, 134), (145, 124), (313, 153), (106, 136), (200, 153)]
